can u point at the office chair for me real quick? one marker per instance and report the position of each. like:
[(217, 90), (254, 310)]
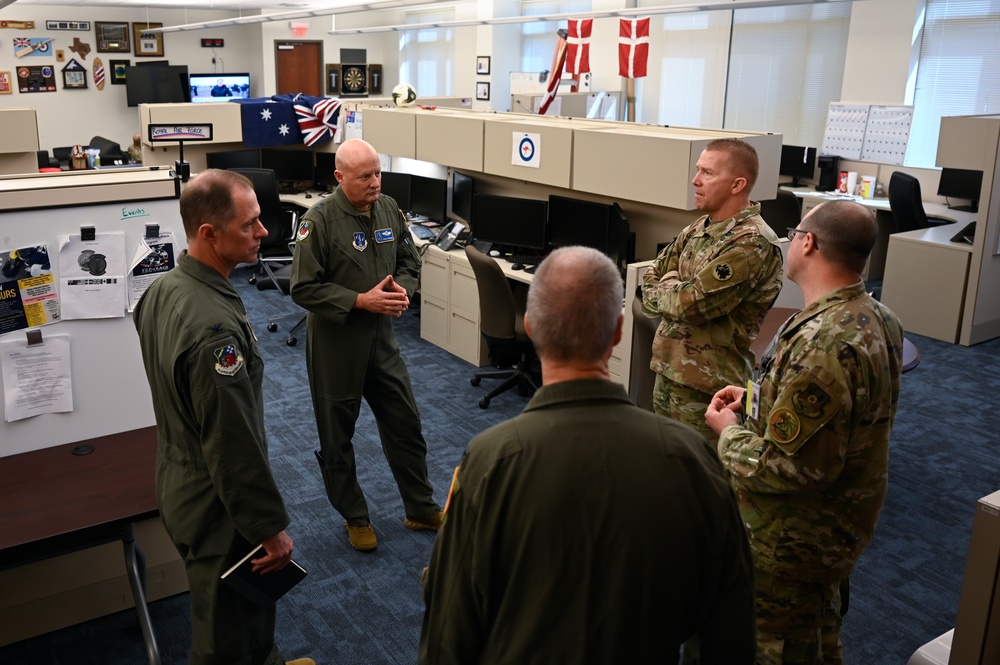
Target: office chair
[(280, 278), (907, 205), (782, 213), (280, 221), (62, 155), (501, 322), (641, 377), (111, 152)]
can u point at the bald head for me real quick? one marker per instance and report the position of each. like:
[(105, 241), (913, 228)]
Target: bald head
[(359, 173), (352, 152), (574, 304), (845, 231)]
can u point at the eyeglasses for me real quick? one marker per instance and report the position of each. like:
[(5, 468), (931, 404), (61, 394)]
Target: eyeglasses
[(792, 232)]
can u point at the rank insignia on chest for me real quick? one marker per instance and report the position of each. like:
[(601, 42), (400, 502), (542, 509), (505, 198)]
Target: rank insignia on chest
[(383, 235), (228, 360), (360, 242)]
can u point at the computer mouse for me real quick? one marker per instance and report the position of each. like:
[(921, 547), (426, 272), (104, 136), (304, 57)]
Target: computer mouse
[(494, 253), (517, 266), (309, 196)]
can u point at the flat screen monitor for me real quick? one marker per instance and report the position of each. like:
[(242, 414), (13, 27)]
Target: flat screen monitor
[(326, 164), (463, 188), (510, 222), (397, 185), (160, 84), (234, 159), (429, 197), (961, 184), (599, 225), (219, 87), (797, 162), (288, 165)]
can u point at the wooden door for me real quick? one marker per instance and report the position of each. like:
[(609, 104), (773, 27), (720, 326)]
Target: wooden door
[(299, 67)]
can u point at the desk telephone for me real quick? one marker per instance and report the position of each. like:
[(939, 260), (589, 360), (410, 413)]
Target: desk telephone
[(449, 235)]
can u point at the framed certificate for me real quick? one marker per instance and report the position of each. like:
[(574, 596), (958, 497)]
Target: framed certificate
[(147, 44), (112, 37)]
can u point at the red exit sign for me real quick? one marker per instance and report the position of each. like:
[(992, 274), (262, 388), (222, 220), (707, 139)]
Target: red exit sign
[(212, 43)]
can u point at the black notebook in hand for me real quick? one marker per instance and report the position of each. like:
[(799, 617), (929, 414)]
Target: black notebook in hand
[(262, 588)]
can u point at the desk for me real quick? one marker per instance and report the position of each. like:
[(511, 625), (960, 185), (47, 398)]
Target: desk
[(925, 281), (57, 502)]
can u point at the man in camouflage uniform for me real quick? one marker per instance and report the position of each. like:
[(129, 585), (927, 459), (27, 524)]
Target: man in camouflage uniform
[(810, 468), (712, 287)]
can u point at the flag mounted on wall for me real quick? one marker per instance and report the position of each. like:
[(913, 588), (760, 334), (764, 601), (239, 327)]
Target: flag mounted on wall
[(578, 45), (633, 47)]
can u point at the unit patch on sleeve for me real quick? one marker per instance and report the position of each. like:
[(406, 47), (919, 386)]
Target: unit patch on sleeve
[(228, 360), (305, 228), (784, 425)]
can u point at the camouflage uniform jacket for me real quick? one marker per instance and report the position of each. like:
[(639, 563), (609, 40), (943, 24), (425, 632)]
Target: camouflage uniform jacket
[(712, 286), (811, 471)]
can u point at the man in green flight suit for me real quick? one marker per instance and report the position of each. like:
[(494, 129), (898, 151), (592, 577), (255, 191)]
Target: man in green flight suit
[(810, 465), (217, 497), (711, 287), (355, 269)]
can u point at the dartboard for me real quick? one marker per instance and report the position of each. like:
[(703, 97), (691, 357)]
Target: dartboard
[(354, 79)]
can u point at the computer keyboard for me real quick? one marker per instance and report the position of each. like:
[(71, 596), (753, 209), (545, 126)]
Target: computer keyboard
[(423, 232), (483, 246), (526, 259)]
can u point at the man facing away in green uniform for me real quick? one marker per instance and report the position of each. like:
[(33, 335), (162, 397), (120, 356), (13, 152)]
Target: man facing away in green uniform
[(217, 497), (587, 530), (355, 269), (711, 287), (810, 464)]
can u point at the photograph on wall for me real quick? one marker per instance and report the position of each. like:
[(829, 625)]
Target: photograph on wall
[(483, 91), (6, 85), (483, 64), (113, 37), (28, 295), (82, 26), (32, 46), (41, 78), (118, 69), (147, 44)]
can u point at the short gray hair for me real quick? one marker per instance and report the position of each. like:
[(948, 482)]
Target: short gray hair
[(574, 304)]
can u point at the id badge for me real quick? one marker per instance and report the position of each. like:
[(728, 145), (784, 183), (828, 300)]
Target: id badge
[(751, 404)]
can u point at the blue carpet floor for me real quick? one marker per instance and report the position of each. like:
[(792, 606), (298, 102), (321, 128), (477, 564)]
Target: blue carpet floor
[(359, 608)]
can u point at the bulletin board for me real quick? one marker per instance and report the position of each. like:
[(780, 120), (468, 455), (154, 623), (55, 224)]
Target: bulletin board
[(110, 391)]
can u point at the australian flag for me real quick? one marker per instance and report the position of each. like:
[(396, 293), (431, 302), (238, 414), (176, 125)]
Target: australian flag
[(268, 122)]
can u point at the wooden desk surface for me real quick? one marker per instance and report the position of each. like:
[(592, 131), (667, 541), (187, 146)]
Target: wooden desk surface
[(52, 492)]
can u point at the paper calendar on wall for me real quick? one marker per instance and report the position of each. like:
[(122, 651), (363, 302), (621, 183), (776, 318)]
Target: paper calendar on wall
[(887, 134), (845, 130)]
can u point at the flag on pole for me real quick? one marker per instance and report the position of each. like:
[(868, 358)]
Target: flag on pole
[(578, 45), (555, 74), (633, 47)]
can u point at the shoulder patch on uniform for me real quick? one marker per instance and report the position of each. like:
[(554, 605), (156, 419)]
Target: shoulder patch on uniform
[(810, 401), (305, 228), (228, 360), (722, 271), (784, 425)]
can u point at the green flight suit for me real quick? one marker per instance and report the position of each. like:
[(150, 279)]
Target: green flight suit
[(711, 287), (217, 496), (587, 530), (352, 353), (811, 471)]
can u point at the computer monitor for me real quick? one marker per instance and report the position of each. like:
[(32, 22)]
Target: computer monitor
[(397, 185), (288, 165), (219, 87), (429, 197), (463, 188), (159, 84), (961, 184), (599, 225), (234, 159), (510, 222), (797, 162), (325, 166)]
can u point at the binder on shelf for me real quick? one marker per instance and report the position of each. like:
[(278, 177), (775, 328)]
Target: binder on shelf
[(262, 588)]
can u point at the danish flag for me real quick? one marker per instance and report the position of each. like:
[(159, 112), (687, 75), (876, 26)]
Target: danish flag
[(578, 45), (633, 47)]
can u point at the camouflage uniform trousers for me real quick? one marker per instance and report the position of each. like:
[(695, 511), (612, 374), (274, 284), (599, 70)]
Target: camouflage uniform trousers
[(798, 623), (683, 403)]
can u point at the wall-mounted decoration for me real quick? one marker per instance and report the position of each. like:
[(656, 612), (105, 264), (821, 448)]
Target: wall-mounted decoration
[(483, 91), (147, 44), (118, 68), (40, 78), (32, 46), (82, 49), (60, 56), (354, 80), (6, 85), (82, 26), (18, 25), (98, 74), (483, 64), (333, 79), (375, 79), (112, 37), (74, 75)]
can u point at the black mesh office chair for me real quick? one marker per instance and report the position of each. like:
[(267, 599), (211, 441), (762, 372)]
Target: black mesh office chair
[(501, 321), (782, 213), (907, 204), (279, 220), (280, 278)]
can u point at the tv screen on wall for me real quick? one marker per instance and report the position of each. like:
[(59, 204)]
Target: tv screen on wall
[(219, 87), (162, 84)]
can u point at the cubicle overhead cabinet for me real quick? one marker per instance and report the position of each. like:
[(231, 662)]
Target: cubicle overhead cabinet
[(18, 149), (227, 125), (452, 139), (541, 151), (393, 131)]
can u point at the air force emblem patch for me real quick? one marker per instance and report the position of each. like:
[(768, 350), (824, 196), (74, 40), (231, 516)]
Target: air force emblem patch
[(228, 360), (305, 228), (360, 242)]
